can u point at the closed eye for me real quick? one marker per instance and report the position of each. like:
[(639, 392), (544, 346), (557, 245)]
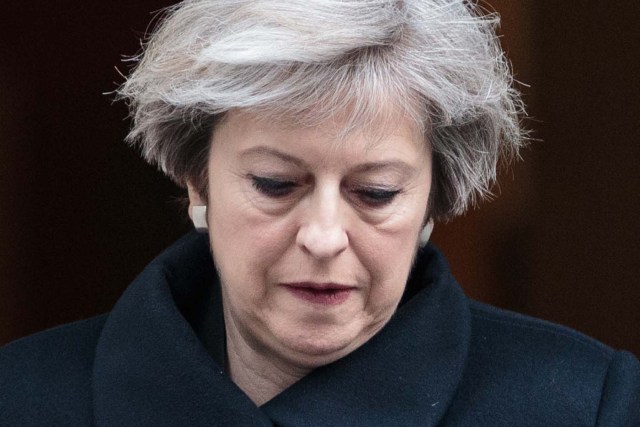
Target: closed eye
[(272, 187), (376, 197)]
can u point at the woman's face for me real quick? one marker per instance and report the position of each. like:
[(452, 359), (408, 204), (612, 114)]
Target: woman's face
[(313, 237)]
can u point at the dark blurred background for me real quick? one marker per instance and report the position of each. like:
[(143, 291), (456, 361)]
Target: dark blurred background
[(81, 214)]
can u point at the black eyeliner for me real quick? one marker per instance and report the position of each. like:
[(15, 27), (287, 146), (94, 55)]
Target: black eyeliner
[(272, 187)]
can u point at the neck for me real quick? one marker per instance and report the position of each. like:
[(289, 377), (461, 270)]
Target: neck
[(258, 375)]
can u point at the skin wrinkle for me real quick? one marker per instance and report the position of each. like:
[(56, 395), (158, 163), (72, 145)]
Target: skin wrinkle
[(437, 61), (348, 84), (322, 232), (244, 365)]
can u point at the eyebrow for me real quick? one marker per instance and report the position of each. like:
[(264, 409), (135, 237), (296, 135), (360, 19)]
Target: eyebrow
[(261, 150), (394, 165)]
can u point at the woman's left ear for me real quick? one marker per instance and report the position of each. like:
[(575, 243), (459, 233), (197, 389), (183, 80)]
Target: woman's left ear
[(197, 210), (425, 234)]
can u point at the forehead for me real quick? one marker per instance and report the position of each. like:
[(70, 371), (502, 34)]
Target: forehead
[(393, 132)]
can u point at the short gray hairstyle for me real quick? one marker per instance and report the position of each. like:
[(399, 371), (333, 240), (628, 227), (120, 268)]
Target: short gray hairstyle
[(439, 61)]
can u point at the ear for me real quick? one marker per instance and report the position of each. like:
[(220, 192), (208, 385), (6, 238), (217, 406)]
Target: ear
[(194, 198), (197, 209), (425, 233)]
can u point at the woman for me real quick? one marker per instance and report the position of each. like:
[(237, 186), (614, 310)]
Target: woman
[(318, 142)]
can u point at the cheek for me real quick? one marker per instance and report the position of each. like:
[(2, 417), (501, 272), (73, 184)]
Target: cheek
[(245, 244), (388, 257), (393, 244)]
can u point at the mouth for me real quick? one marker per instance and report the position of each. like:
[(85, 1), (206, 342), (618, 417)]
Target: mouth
[(320, 293)]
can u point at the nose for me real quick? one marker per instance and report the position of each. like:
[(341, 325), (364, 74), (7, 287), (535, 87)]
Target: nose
[(322, 233)]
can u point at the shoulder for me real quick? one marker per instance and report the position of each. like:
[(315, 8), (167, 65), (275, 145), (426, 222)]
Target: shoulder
[(515, 335), (548, 371), (46, 378)]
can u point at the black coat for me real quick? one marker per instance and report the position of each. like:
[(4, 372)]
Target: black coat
[(443, 359)]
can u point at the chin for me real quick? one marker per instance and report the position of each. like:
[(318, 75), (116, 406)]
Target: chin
[(314, 351)]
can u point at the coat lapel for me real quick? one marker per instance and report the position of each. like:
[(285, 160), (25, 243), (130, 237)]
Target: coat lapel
[(405, 375), (152, 369)]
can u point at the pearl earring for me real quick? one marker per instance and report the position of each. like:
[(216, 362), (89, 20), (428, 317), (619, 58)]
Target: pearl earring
[(199, 218), (425, 234)]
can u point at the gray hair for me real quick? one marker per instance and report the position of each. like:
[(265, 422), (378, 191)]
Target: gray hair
[(438, 61)]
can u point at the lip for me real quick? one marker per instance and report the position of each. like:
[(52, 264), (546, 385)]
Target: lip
[(320, 293)]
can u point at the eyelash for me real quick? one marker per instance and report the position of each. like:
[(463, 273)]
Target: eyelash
[(276, 188), (377, 197), (270, 187)]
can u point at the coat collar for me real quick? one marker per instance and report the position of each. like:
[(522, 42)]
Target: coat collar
[(152, 369)]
